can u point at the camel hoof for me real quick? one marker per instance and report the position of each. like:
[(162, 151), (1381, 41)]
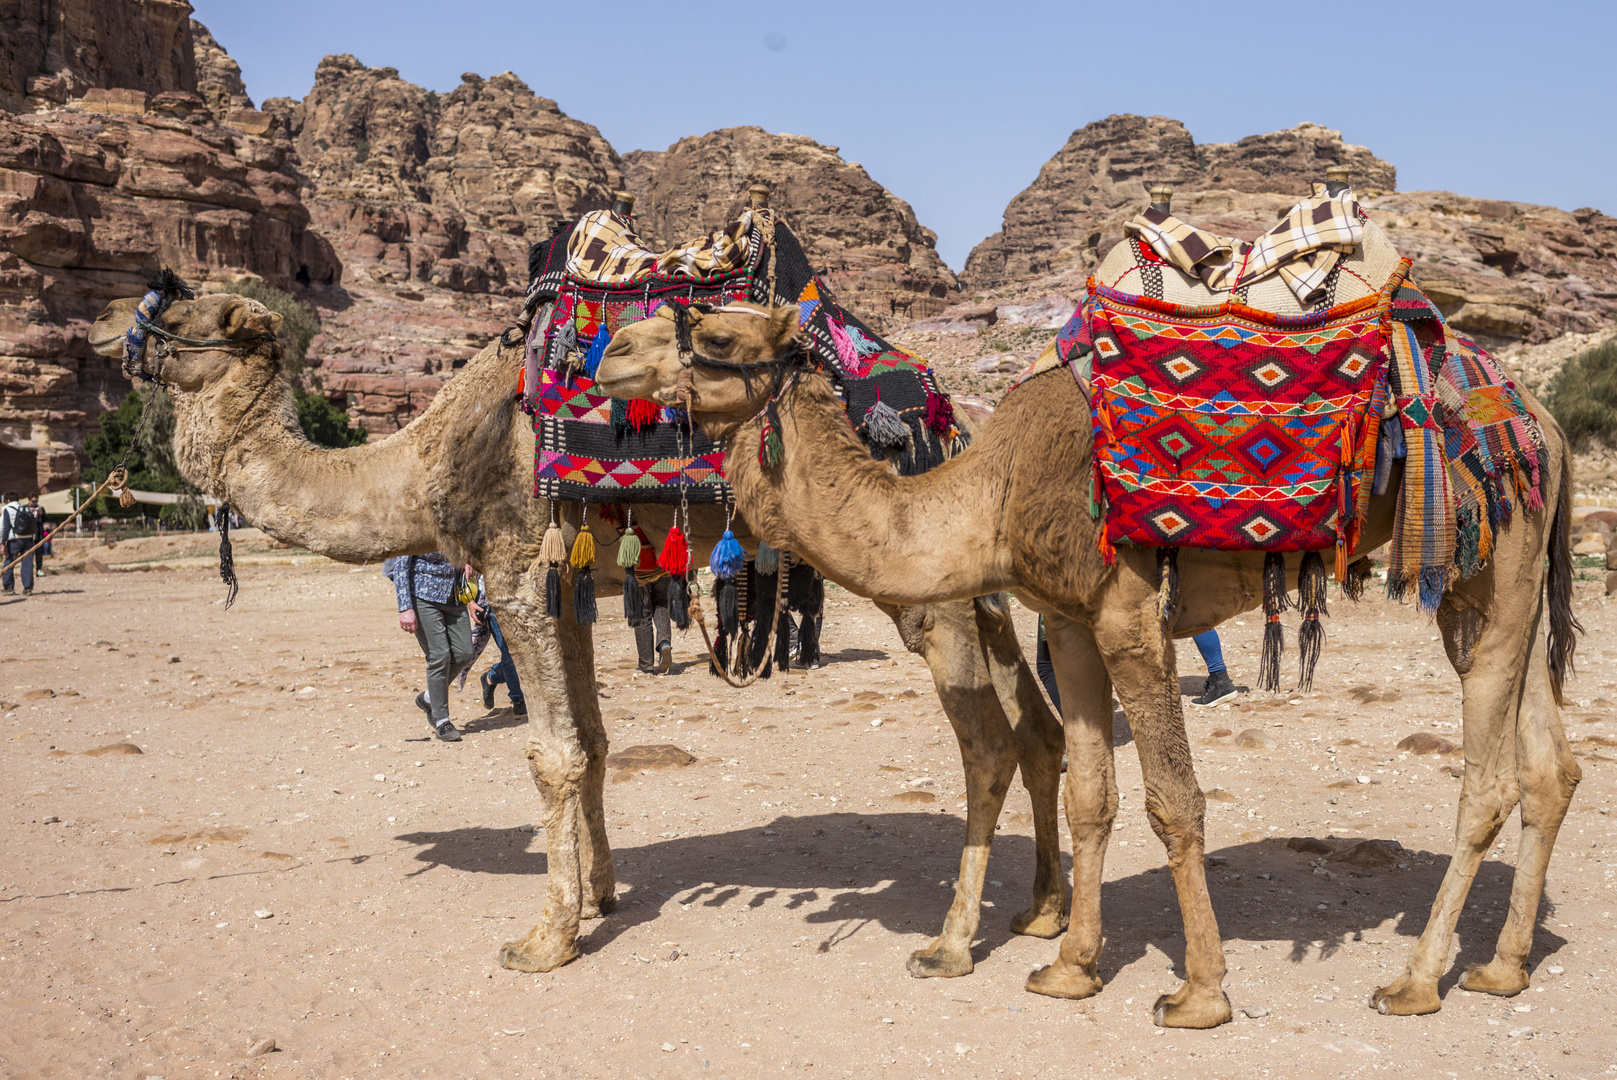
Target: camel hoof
[(1185, 1009), (934, 963), (535, 953), (1500, 980), (1406, 998), (1064, 981), (599, 909), (1042, 924)]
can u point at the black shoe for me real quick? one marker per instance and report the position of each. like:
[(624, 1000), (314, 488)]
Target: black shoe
[(488, 690), (665, 657), (425, 706), (447, 731), (1217, 688)]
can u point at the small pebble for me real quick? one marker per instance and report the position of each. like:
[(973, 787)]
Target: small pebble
[(876, 722), (887, 1019), (379, 777), (961, 1048), (52, 820), (667, 1048), (263, 913), (261, 1047), (1555, 969), (1362, 779), (1255, 1012)]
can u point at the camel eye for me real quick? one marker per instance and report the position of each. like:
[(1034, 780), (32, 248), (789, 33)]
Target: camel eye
[(720, 341)]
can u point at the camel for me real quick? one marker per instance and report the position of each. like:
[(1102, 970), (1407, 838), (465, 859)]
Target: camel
[(455, 480), (1011, 513)]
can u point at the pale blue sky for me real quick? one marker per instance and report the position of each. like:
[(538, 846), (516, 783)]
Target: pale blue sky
[(955, 106)]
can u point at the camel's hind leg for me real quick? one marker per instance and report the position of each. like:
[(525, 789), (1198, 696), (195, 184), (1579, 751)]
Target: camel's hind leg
[(946, 636), (1546, 776), (1086, 697), (1139, 657), (1497, 649), (555, 662)]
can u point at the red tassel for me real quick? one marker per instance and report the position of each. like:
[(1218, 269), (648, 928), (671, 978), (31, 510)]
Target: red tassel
[(939, 412), (675, 558), (1107, 551), (643, 414)]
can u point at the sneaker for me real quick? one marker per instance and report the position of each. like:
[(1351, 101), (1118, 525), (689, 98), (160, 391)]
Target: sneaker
[(447, 731), (488, 690), (1217, 688), (665, 657)]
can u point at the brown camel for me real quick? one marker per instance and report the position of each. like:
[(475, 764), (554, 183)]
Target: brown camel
[(1011, 512), (454, 480)]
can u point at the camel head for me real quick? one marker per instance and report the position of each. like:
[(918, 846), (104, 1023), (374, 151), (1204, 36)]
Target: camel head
[(735, 353), (231, 326)]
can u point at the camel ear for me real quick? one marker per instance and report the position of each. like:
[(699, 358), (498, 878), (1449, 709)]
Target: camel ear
[(248, 317), (783, 323)]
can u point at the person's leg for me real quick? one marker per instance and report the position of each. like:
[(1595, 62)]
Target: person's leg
[(1212, 651), (1219, 686), (433, 636), (1046, 670), (505, 671), (27, 568), (661, 624), (458, 631), (8, 580)]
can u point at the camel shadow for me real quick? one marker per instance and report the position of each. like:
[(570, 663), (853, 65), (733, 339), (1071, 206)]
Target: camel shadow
[(850, 656), (896, 871), (495, 720)]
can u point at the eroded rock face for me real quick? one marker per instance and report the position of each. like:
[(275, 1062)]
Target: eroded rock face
[(881, 261), (94, 197), (1505, 273), (1099, 179), (57, 50), (219, 77)]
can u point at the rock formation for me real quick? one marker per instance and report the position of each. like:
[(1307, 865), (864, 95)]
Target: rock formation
[(1503, 272), (110, 165), (882, 262)]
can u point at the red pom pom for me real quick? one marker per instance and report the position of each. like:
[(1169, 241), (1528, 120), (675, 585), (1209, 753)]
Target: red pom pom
[(676, 554), (643, 414)]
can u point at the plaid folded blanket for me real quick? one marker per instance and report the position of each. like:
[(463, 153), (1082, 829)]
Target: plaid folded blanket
[(1303, 249)]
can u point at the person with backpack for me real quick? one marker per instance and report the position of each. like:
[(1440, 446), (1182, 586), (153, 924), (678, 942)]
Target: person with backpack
[(430, 592), (19, 531)]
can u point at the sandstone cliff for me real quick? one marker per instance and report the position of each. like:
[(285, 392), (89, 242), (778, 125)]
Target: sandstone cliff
[(881, 261), (133, 172)]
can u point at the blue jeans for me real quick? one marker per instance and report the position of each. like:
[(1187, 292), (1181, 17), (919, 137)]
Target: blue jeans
[(15, 548), (504, 671), (1212, 651)]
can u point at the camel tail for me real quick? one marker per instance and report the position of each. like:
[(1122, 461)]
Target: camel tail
[(1564, 625)]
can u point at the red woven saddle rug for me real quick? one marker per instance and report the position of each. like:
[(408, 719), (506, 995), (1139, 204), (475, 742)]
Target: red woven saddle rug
[(1226, 427)]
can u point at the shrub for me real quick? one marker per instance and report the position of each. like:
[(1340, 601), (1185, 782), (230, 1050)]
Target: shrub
[(325, 424), (1583, 396)]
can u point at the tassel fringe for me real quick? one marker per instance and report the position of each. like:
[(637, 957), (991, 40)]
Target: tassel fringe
[(634, 600), (679, 601), (553, 548), (1274, 638), (676, 554), (728, 557), (1311, 594), (584, 596), (553, 592), (1167, 585)]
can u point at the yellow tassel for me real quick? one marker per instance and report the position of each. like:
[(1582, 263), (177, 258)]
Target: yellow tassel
[(553, 549), (584, 549)]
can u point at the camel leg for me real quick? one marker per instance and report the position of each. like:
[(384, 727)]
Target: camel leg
[(1140, 659), (554, 661), (1086, 694), (1040, 744), (945, 635), (1546, 776), (1490, 650)]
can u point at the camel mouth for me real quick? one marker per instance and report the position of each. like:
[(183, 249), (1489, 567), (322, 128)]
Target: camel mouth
[(627, 384)]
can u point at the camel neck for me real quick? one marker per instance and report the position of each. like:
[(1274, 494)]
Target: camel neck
[(239, 440), (901, 540)]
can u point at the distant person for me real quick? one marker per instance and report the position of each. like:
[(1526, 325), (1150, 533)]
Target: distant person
[(40, 530), (19, 529), (1218, 686), (426, 586)]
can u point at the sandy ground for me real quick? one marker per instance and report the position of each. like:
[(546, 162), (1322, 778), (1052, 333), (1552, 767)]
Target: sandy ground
[(289, 857)]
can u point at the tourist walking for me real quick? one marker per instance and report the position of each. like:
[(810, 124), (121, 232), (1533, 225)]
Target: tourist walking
[(503, 673), (429, 607), (19, 531)]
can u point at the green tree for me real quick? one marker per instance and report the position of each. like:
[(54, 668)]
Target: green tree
[(325, 424), (1583, 396), (151, 459)]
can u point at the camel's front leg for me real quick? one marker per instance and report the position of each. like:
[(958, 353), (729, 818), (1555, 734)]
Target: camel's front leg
[(1086, 699), (945, 635), (559, 759), (1040, 742), (1139, 657)]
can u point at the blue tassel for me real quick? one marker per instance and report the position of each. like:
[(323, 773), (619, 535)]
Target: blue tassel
[(592, 359), (1434, 581), (728, 557), (862, 344)]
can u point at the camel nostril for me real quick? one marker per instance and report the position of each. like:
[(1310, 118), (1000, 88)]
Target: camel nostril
[(618, 346)]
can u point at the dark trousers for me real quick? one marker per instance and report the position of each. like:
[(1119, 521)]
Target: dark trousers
[(504, 671), (15, 548), (655, 629), (1047, 672), (444, 632)]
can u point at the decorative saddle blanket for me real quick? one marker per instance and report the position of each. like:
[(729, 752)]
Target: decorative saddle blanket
[(595, 276)]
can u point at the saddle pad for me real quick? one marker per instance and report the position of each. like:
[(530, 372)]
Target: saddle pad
[(1225, 427)]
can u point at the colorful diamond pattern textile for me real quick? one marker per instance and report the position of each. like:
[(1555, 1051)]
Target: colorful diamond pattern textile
[(1226, 428)]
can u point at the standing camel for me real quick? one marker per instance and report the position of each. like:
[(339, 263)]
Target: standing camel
[(454, 480), (1012, 512)]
